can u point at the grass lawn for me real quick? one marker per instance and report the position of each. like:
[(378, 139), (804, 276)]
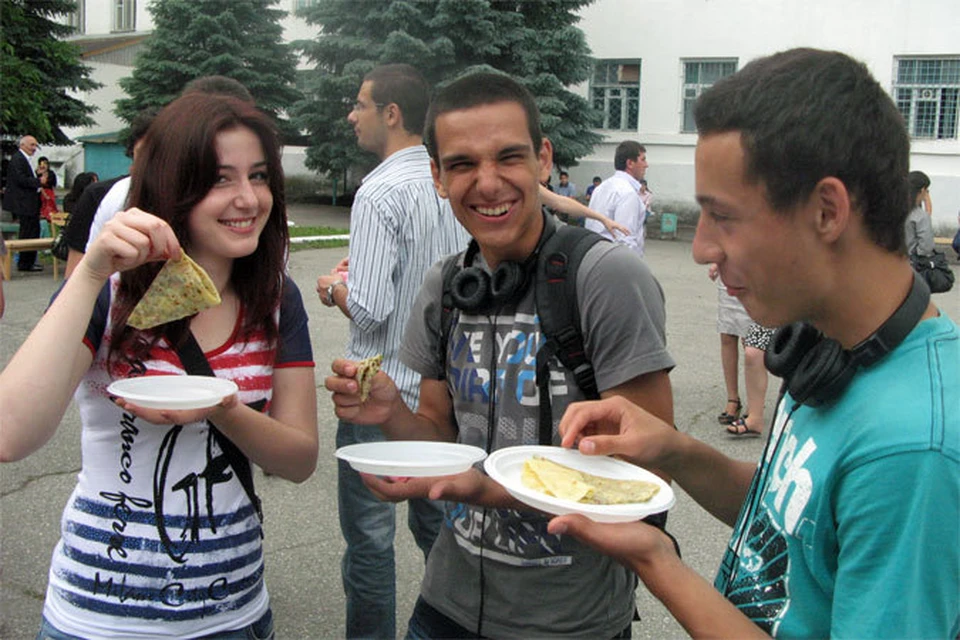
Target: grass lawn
[(300, 232)]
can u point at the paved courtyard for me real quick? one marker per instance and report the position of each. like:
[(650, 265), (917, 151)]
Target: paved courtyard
[(302, 538)]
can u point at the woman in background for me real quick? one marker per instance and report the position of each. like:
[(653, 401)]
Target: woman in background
[(80, 182)]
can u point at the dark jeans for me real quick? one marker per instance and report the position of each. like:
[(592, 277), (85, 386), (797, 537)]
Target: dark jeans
[(368, 526), (426, 623), (29, 228)]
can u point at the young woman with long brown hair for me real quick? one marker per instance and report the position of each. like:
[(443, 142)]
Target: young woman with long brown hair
[(160, 537)]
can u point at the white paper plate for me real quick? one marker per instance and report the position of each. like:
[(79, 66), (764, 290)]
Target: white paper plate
[(505, 467), (173, 392), (411, 458)]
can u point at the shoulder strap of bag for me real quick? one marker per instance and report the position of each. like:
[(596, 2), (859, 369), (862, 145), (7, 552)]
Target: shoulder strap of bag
[(195, 363), (557, 307)]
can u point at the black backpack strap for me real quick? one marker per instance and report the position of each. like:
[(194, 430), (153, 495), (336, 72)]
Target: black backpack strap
[(557, 307), (196, 364)]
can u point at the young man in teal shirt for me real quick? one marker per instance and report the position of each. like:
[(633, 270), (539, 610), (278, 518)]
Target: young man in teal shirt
[(849, 525)]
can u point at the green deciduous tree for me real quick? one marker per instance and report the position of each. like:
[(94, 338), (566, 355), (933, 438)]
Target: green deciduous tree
[(37, 69), (240, 39), (537, 43)]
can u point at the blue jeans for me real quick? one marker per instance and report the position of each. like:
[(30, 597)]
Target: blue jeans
[(368, 526), (262, 629)]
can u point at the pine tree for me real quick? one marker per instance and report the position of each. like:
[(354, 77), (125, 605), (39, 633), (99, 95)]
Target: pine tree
[(240, 39), (535, 42), (37, 69)]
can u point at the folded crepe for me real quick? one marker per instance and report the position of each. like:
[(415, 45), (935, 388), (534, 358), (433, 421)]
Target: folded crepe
[(181, 288), (366, 369), (561, 481)]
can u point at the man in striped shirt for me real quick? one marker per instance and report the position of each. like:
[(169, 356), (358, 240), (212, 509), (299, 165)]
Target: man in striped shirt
[(399, 227)]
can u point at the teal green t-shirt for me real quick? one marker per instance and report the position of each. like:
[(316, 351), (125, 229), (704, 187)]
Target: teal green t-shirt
[(851, 528)]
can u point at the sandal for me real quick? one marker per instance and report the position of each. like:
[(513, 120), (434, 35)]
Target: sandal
[(729, 418), (739, 429)]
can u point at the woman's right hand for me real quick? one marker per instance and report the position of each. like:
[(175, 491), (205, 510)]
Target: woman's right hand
[(132, 238)]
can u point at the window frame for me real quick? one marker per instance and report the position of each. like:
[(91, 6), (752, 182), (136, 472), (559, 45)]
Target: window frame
[(78, 18), (930, 105), (690, 91), (625, 93), (124, 16)]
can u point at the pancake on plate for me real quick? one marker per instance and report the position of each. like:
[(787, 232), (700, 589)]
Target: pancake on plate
[(561, 481)]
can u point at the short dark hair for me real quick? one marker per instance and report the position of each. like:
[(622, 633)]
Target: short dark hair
[(627, 150), (139, 127), (564, 173), (806, 114), (918, 181), (476, 89), (220, 86), (404, 86)]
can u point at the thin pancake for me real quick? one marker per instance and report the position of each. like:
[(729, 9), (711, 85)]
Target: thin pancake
[(560, 481), (181, 288), (366, 369)]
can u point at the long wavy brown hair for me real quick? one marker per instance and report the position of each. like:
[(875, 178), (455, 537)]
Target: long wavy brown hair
[(174, 170)]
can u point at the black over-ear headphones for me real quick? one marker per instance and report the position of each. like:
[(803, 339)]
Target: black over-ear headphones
[(475, 291), (816, 369)]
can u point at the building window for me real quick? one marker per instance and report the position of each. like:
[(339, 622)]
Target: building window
[(927, 91), (125, 15), (615, 94), (77, 19), (697, 76)]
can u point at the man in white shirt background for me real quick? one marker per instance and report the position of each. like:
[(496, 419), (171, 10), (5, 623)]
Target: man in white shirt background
[(618, 197)]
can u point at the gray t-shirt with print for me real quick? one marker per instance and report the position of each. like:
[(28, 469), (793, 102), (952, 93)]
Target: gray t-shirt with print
[(533, 583)]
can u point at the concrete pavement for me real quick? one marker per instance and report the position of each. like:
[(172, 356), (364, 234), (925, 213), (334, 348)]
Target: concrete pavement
[(302, 539)]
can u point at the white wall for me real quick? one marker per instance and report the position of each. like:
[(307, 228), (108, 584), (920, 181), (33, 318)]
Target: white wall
[(663, 32)]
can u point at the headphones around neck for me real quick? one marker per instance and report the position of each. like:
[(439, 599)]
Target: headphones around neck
[(816, 369), (474, 290)]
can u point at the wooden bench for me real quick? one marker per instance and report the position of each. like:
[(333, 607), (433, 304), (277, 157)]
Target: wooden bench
[(34, 244), (57, 222)]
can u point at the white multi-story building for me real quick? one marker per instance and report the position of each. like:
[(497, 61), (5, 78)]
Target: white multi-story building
[(654, 57)]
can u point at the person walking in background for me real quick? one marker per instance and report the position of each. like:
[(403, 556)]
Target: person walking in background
[(734, 326), (399, 227), (857, 489), (161, 537), (755, 377), (618, 197), (21, 197)]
